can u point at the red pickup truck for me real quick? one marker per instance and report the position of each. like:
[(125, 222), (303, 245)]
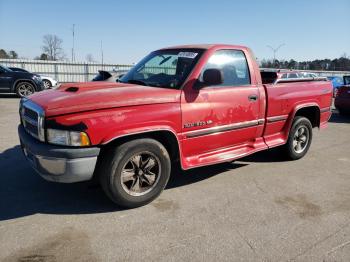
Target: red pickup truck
[(342, 98), (192, 105)]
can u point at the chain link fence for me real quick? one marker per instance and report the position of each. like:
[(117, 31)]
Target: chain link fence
[(82, 72), (63, 71)]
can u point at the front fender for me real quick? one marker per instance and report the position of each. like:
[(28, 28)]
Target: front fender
[(105, 125), (138, 131)]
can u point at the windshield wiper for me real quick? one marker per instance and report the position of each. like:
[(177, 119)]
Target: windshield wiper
[(138, 82), (165, 60)]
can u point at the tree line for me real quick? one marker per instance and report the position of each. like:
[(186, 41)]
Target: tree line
[(52, 50), (339, 64)]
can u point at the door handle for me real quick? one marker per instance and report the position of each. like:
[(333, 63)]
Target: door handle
[(253, 98)]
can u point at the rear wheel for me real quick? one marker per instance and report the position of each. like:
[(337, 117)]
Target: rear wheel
[(135, 173), (24, 89), (300, 137)]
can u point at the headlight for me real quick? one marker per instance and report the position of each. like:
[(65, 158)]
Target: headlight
[(37, 78), (56, 86), (67, 138)]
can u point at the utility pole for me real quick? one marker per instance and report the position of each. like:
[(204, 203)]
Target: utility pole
[(274, 50), (73, 32), (101, 55)]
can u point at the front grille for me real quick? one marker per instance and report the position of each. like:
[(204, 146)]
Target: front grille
[(31, 114), (32, 117), (32, 129)]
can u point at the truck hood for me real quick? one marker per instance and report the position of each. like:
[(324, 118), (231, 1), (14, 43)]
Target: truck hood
[(79, 97)]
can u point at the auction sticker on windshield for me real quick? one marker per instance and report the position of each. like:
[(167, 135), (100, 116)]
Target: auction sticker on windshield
[(187, 54)]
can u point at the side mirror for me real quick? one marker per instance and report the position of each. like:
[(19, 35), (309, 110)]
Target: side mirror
[(212, 77)]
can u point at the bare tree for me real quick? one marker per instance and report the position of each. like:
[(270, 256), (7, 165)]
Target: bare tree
[(53, 47), (90, 58)]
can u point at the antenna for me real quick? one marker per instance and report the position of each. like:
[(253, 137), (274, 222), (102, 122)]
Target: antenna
[(101, 54), (73, 34)]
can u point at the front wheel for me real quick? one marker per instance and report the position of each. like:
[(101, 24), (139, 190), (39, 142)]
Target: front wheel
[(135, 173), (47, 84), (300, 137)]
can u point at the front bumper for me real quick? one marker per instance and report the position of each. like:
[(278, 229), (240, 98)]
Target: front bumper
[(57, 163)]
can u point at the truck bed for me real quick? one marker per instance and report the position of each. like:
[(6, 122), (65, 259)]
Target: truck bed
[(286, 96), (271, 77)]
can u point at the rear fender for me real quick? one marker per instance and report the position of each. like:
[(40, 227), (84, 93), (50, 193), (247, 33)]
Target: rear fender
[(294, 112)]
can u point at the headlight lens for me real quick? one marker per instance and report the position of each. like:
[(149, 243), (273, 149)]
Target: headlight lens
[(37, 78), (67, 138)]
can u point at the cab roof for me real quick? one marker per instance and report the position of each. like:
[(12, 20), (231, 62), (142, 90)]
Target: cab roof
[(204, 46)]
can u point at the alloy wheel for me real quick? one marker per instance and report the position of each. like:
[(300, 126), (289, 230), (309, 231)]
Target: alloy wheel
[(25, 89), (140, 174), (46, 84), (301, 139)]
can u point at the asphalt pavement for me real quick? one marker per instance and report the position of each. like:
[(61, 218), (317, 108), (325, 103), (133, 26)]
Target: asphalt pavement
[(260, 208)]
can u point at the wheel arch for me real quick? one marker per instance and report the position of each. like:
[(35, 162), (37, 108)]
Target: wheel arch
[(166, 137), (47, 79), (311, 111), (17, 81)]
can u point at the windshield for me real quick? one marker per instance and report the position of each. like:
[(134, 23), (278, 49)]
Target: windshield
[(5, 69), (164, 68)]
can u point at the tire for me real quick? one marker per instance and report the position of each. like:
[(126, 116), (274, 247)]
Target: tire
[(24, 89), (47, 84), (135, 173), (299, 139)]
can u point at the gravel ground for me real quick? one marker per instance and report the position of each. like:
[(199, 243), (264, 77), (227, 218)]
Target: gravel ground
[(260, 208)]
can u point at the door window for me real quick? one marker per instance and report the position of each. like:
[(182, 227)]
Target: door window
[(292, 75), (233, 65)]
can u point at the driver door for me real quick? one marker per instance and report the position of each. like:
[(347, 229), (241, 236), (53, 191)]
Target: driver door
[(221, 121)]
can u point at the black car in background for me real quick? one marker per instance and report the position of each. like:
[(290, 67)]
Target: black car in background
[(21, 83), (47, 81), (109, 76)]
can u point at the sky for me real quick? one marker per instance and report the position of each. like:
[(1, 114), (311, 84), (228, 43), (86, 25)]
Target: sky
[(310, 29)]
